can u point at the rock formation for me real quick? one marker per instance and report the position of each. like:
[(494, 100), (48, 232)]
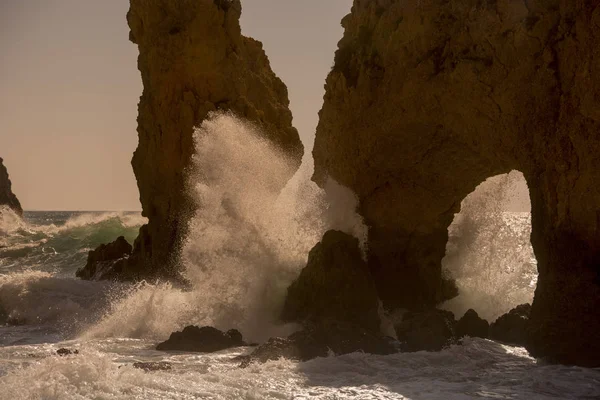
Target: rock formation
[(334, 285), (193, 60), (428, 98), (205, 340), (430, 330), (7, 197), (107, 262), (513, 326), (472, 325), (322, 340)]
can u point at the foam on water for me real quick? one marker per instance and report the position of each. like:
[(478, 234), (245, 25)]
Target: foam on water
[(479, 369)]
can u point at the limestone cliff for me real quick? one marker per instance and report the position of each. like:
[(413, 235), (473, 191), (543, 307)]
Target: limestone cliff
[(193, 60), (7, 197), (428, 98)]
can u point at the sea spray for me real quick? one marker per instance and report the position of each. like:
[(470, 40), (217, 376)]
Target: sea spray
[(489, 251), (247, 240)]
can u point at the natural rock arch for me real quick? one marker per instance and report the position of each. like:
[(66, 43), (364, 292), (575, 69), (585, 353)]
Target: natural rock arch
[(489, 253), (428, 98)]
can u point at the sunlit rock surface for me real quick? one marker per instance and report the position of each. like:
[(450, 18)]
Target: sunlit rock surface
[(7, 197), (428, 98), (193, 60)]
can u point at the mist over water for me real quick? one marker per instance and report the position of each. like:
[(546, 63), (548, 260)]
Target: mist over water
[(247, 241), (489, 250)]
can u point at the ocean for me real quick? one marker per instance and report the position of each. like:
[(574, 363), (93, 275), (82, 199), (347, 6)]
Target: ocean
[(246, 243)]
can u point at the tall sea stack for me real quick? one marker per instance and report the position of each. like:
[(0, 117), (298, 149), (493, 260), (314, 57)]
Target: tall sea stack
[(7, 197), (428, 98), (193, 60)]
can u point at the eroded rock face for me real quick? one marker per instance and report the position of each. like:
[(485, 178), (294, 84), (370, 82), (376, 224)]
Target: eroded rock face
[(193, 60), (335, 285), (428, 98), (7, 197)]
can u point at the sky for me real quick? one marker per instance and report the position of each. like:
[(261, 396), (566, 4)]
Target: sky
[(69, 88)]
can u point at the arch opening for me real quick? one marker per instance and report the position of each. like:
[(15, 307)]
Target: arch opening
[(489, 251)]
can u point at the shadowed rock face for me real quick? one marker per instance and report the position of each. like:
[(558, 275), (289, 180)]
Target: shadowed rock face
[(7, 197), (193, 60), (428, 98)]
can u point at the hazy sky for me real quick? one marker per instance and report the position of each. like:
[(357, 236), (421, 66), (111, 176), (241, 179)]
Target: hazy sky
[(69, 88)]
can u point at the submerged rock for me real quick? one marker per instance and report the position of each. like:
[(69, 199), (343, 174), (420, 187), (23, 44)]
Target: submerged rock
[(66, 352), (512, 327), (107, 261), (7, 197), (321, 340), (153, 366), (204, 340), (335, 285), (430, 330), (472, 325), (194, 60)]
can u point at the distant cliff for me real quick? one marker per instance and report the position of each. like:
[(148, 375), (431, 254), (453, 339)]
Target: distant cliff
[(7, 197), (428, 98), (193, 60)]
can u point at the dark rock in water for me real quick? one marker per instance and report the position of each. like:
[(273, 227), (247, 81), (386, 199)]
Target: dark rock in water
[(66, 352), (7, 197), (472, 325), (318, 341), (512, 327), (205, 340), (335, 285), (107, 261), (430, 330), (153, 366)]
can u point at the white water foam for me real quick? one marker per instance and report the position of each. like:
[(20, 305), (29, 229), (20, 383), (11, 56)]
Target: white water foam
[(489, 251), (247, 240)]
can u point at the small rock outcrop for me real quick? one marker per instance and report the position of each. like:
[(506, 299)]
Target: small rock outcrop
[(66, 352), (429, 98), (7, 197), (320, 341), (203, 340), (472, 325), (153, 366), (193, 60), (335, 285), (512, 327), (107, 261), (430, 330)]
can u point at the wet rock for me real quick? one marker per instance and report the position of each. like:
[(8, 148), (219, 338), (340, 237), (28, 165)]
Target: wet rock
[(335, 285), (314, 341), (153, 366), (66, 352), (430, 330), (194, 60), (107, 261), (512, 327), (204, 340), (472, 325), (7, 197)]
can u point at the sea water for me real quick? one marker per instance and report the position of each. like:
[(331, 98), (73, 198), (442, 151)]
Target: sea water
[(247, 241)]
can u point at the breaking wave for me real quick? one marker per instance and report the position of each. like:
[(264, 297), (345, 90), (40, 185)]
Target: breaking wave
[(247, 241)]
